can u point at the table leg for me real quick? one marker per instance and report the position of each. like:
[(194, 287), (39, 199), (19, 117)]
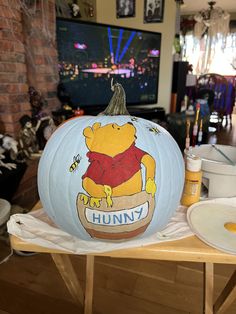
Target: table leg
[(88, 302), (227, 296), (208, 287), (68, 274)]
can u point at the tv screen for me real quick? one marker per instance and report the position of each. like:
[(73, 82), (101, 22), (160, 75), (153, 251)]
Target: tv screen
[(91, 54)]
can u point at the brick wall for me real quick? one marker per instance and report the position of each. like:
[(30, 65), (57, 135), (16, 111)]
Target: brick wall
[(28, 56)]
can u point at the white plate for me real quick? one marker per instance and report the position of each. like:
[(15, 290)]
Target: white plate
[(207, 221)]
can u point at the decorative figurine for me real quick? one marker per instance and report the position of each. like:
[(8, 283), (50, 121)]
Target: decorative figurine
[(7, 143), (27, 138), (41, 120), (75, 10)]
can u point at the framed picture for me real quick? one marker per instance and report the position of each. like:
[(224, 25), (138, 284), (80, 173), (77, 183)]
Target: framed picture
[(125, 8), (153, 11)]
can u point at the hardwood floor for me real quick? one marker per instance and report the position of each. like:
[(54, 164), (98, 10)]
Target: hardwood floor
[(32, 284), (224, 135)]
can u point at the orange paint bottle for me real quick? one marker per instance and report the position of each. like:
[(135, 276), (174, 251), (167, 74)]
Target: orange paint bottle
[(193, 180)]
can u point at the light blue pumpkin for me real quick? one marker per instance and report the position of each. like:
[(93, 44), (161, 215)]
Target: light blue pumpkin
[(110, 177)]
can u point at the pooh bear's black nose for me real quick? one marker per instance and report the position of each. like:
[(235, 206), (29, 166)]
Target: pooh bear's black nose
[(130, 123)]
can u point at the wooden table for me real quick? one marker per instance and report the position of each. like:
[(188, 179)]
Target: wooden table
[(190, 249)]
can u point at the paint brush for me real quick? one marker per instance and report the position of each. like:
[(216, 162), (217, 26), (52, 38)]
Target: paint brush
[(195, 126), (187, 141), (199, 138), (230, 161)]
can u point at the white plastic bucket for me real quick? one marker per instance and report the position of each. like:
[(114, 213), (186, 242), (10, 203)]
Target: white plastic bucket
[(219, 175)]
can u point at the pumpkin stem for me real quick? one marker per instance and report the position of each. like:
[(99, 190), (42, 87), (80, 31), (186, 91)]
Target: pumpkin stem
[(117, 104)]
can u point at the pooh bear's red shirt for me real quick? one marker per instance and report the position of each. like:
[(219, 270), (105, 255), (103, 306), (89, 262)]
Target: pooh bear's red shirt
[(113, 171)]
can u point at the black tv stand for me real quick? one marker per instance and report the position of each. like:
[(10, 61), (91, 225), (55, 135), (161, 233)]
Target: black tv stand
[(155, 114), (143, 109)]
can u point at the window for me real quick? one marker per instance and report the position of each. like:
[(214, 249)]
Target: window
[(211, 55)]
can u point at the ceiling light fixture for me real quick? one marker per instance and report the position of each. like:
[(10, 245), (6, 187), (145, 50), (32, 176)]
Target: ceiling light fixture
[(213, 21)]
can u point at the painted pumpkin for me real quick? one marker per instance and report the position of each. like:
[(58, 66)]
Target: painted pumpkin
[(111, 177)]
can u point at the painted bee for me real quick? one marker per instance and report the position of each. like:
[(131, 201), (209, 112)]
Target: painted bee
[(134, 119), (76, 161), (153, 129)]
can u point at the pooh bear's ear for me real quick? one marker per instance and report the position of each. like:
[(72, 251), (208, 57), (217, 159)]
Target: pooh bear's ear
[(88, 132), (96, 125)]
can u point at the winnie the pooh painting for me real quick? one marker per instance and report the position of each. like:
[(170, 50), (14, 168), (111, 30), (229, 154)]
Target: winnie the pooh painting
[(112, 177), (114, 205)]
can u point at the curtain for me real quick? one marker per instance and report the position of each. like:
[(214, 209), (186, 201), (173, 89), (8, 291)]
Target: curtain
[(210, 54), (208, 43)]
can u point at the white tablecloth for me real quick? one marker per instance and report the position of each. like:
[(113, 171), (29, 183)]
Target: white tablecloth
[(37, 228)]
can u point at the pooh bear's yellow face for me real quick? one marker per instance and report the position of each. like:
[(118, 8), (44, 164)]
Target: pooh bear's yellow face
[(111, 139)]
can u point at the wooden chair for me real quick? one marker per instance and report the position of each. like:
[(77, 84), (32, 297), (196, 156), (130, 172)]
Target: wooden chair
[(222, 102)]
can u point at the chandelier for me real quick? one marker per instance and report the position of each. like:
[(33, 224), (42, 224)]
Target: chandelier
[(213, 21)]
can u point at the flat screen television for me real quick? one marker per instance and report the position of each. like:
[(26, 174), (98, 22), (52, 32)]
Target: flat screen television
[(91, 54)]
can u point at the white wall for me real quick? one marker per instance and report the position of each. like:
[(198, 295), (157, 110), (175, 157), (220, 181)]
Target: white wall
[(106, 13)]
